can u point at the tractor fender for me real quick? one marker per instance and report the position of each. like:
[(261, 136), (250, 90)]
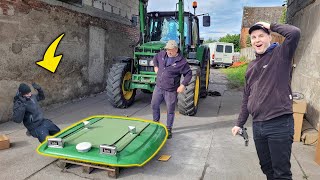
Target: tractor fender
[(202, 51), (206, 50)]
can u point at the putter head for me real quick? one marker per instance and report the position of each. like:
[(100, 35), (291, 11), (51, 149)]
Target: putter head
[(246, 143), (242, 132)]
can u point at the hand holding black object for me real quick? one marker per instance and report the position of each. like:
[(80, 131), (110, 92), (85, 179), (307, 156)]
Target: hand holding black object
[(36, 86), (244, 134)]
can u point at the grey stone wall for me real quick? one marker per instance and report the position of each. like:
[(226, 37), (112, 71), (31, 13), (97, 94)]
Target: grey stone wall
[(306, 76), (93, 37)]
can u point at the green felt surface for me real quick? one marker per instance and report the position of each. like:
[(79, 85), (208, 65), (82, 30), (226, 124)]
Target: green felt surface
[(105, 131), (132, 149)]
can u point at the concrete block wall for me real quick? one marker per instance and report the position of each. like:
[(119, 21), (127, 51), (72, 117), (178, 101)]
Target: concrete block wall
[(124, 8), (306, 76), (92, 39)]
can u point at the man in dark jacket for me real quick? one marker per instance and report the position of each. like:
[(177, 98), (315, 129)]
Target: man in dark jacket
[(27, 110), (169, 66), (267, 97)]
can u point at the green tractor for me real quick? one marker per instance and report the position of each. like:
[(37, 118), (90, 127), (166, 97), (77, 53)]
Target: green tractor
[(156, 28)]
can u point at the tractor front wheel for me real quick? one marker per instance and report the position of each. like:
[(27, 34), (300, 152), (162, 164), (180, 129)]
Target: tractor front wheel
[(188, 100), (119, 93), (205, 76)]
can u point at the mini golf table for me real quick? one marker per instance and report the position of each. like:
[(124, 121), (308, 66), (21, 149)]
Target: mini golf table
[(115, 141)]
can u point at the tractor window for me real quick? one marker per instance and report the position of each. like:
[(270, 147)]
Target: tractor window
[(228, 49), (166, 28), (163, 29), (195, 32), (186, 30), (219, 48), (170, 29), (155, 29)]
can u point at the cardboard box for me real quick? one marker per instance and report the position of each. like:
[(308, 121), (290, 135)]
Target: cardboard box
[(309, 135), (299, 107), (4, 142), (318, 149)]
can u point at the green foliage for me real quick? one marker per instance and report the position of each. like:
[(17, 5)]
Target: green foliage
[(283, 16), (235, 39), (248, 41), (284, 13), (243, 59), (236, 75), (210, 40)]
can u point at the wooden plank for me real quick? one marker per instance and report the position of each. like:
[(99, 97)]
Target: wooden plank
[(112, 172), (87, 169), (317, 159)]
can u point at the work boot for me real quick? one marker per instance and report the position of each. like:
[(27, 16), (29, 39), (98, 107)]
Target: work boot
[(28, 133), (169, 133)]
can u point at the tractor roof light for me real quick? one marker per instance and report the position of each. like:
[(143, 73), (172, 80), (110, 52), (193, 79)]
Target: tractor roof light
[(194, 4)]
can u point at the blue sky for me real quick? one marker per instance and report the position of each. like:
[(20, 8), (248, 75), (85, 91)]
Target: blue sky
[(226, 15)]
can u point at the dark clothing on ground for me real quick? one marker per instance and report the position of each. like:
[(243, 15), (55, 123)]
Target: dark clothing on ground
[(273, 140), (46, 128), (28, 111), (170, 71), (267, 92)]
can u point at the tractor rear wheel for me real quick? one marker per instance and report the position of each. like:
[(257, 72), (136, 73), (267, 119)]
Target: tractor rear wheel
[(205, 76), (188, 100), (118, 82)]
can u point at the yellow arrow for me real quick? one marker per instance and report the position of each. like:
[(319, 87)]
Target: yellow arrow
[(51, 62)]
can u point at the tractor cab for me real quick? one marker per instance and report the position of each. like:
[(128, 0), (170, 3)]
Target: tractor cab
[(164, 26)]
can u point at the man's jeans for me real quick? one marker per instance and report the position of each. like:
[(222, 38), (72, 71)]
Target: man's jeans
[(170, 98), (273, 140), (46, 128)]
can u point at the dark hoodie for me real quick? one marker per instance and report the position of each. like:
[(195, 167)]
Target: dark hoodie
[(28, 111), (267, 91), (169, 74)]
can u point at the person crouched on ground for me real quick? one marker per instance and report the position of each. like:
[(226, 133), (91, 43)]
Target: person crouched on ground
[(26, 109)]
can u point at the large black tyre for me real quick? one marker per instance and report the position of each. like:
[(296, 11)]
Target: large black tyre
[(188, 100), (205, 75), (118, 78)]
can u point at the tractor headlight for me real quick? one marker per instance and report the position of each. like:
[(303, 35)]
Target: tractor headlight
[(143, 62), (151, 63)]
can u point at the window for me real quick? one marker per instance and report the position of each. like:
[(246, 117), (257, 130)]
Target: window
[(195, 32), (73, 2), (228, 49), (170, 31), (219, 48)]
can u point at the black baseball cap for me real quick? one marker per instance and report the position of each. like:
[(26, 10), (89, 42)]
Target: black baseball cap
[(258, 26), (24, 89)]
